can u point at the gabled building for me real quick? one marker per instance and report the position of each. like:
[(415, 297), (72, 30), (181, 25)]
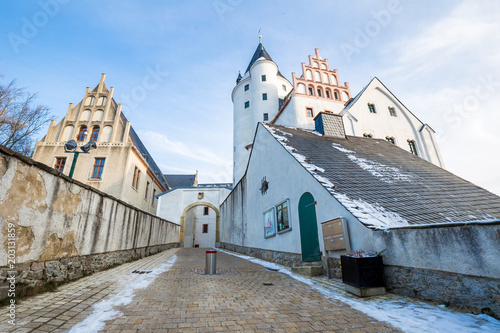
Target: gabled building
[(324, 174), (434, 225), (121, 166), (263, 94)]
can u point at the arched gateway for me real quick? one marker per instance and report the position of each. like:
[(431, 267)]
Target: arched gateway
[(189, 207)]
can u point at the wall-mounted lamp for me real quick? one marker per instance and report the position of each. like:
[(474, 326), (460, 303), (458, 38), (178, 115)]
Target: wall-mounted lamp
[(71, 146)]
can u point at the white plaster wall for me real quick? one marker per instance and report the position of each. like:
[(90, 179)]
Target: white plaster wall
[(242, 127), (206, 240), (246, 120), (381, 124), (295, 115), (172, 204), (242, 214)]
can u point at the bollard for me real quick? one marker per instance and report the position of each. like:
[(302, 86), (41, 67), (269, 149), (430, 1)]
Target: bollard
[(211, 263)]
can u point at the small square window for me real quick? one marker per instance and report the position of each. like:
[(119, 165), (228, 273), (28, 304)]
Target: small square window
[(263, 77), (392, 111), (60, 163), (282, 217), (371, 107), (247, 86), (266, 117), (309, 112), (206, 210), (264, 97), (284, 87), (247, 104), (97, 168), (205, 229)]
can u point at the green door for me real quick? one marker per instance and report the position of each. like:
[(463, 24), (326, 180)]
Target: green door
[(308, 228)]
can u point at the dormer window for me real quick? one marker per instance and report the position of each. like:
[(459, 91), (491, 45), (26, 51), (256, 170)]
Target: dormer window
[(367, 135), (371, 107), (390, 139)]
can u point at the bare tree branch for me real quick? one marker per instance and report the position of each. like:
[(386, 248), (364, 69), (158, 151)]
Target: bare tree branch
[(20, 119)]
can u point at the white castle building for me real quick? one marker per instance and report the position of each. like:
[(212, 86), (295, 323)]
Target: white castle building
[(263, 94)]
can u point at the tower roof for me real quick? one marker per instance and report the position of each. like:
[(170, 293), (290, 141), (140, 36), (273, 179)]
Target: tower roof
[(260, 52)]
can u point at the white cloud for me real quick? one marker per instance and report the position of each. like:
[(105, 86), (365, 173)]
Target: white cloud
[(162, 143), (440, 71)]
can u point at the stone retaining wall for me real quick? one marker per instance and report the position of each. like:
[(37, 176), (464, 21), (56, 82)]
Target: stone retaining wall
[(54, 228), (282, 258), (469, 293)]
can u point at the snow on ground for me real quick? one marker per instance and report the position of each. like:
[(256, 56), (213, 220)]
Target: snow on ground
[(104, 310), (408, 316)]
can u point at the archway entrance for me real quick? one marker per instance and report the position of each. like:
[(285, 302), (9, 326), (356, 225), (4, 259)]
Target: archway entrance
[(308, 228), (192, 224)]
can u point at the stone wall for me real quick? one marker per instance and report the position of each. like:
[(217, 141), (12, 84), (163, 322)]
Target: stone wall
[(282, 258), (56, 228), (469, 293)]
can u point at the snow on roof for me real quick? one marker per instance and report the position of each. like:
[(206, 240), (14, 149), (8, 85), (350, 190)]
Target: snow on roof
[(383, 185)]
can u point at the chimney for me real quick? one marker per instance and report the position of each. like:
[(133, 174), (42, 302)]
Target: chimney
[(330, 124)]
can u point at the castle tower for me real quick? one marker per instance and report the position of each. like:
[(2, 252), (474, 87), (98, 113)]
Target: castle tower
[(257, 97)]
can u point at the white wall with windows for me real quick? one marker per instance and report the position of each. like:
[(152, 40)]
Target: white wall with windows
[(391, 119), (243, 212), (249, 107)]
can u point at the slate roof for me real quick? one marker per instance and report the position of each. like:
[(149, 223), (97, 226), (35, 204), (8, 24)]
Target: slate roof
[(260, 52), (136, 141), (385, 186), (180, 180)]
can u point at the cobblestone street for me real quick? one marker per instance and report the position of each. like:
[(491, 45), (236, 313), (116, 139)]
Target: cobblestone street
[(243, 296)]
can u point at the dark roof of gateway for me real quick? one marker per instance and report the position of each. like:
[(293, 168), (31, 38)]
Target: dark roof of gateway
[(144, 152), (385, 186), (260, 52), (180, 180)]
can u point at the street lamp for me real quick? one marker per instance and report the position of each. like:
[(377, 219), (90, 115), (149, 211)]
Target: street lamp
[(70, 147)]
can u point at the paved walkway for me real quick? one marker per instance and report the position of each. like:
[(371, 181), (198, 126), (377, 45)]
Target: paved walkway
[(243, 296)]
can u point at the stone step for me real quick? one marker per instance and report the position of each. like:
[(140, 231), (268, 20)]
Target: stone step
[(309, 270)]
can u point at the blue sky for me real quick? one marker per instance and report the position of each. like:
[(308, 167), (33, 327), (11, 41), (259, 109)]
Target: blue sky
[(441, 60)]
